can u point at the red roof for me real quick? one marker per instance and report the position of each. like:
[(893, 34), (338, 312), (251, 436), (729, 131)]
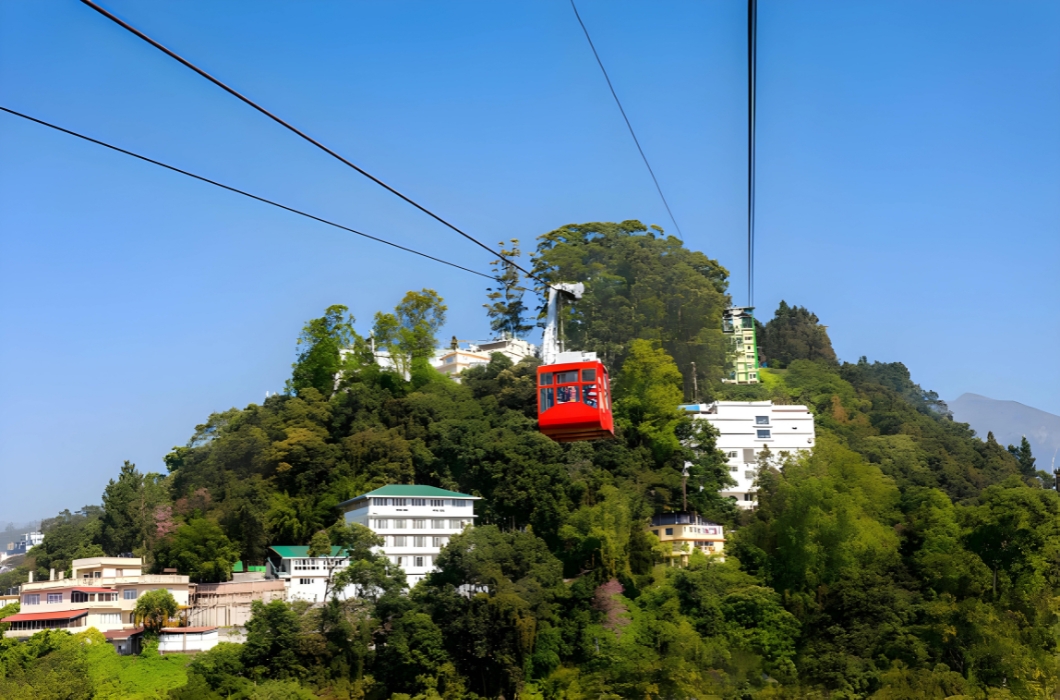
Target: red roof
[(58, 615), (187, 630), (123, 634), (89, 589)]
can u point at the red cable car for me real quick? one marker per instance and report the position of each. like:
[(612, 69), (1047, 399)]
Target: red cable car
[(573, 389)]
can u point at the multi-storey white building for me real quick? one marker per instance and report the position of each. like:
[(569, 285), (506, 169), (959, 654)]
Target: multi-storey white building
[(27, 542), (101, 593), (746, 429), (415, 522)]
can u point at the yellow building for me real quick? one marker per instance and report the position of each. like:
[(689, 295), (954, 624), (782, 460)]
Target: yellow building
[(681, 533)]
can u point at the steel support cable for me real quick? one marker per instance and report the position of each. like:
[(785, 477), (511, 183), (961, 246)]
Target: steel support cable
[(305, 136), (244, 193), (752, 70), (629, 126)]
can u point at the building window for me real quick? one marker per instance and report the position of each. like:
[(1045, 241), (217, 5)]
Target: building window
[(55, 598), (419, 541), (380, 501), (381, 524), (732, 454), (399, 524), (78, 597), (31, 599), (419, 502), (437, 503), (129, 594), (419, 561), (669, 531), (438, 524), (761, 420), (763, 434), (734, 468), (110, 619), (655, 532), (399, 561), (399, 501), (748, 497), (399, 540), (438, 541), (748, 475), (305, 582), (460, 503), (419, 524)]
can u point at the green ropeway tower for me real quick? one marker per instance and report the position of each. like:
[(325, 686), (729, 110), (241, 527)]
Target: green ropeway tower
[(738, 324)]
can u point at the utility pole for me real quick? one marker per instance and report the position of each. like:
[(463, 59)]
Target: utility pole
[(684, 489)]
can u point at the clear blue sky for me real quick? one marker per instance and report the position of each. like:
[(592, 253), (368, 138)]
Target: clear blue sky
[(908, 191)]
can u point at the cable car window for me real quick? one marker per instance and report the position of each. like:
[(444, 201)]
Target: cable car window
[(567, 394), (547, 399), (546, 379), (590, 395), (588, 375), (567, 377)]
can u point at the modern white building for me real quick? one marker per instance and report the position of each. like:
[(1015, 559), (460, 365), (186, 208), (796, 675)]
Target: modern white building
[(746, 429), (415, 522)]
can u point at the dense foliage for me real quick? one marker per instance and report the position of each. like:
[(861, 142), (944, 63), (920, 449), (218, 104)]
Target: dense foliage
[(794, 333), (904, 558)]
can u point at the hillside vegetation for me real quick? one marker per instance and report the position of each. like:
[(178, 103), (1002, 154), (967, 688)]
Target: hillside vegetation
[(905, 558)]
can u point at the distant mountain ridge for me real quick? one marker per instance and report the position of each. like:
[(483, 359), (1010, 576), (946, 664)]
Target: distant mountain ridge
[(1009, 420)]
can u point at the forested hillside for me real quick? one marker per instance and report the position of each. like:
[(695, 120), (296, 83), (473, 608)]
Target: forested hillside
[(906, 558)]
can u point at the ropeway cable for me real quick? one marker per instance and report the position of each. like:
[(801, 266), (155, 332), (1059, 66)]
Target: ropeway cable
[(752, 71), (629, 126), (243, 192), (310, 139)]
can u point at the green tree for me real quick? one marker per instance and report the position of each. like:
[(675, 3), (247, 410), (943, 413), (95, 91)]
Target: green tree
[(1025, 458), (647, 395), (155, 608), (364, 571), (794, 333), (639, 283), (271, 649), (409, 334), (320, 357), (506, 309), (7, 611), (67, 536), (128, 511), (200, 549), (221, 668)]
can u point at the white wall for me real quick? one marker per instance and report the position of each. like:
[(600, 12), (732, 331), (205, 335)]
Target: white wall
[(746, 428)]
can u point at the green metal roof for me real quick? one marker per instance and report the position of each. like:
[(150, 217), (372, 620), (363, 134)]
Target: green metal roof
[(291, 551), (410, 491)]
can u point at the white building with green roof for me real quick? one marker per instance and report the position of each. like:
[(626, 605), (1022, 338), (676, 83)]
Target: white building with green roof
[(304, 577), (414, 521)]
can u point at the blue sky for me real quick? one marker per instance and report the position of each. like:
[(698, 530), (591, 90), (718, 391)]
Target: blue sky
[(908, 188)]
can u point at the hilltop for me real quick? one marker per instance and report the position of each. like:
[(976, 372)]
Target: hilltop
[(904, 558)]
